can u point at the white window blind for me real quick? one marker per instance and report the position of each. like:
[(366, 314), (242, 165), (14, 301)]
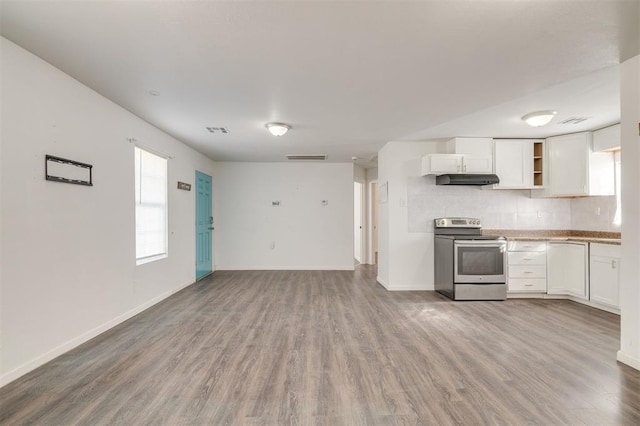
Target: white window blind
[(151, 206)]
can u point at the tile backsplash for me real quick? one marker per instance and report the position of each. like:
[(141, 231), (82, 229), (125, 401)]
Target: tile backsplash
[(505, 209), (594, 214)]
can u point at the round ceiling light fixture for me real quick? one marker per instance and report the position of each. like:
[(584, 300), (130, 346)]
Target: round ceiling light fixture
[(539, 118), (277, 129)]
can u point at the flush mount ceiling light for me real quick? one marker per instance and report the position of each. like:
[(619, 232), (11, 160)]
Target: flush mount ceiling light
[(277, 129), (539, 118)]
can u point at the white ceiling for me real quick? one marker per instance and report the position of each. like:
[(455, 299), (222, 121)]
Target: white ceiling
[(347, 76)]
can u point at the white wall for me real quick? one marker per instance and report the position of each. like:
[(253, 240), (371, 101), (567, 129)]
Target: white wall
[(67, 260), (406, 221), (630, 265), (359, 174), (371, 176), (300, 233)]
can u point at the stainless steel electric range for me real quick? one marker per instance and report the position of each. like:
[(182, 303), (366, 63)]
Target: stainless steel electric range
[(469, 265)]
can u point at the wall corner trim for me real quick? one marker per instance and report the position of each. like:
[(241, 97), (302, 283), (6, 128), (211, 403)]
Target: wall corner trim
[(629, 360)]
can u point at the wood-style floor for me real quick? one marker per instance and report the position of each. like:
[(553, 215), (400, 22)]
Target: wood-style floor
[(335, 348)]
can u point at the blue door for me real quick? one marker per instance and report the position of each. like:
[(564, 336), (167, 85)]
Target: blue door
[(204, 225)]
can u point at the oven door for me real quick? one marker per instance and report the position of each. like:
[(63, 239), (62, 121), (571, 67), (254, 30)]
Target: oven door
[(480, 261)]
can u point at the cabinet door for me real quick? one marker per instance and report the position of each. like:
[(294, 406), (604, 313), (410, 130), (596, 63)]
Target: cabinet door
[(445, 163), (605, 280), (514, 163), (568, 163), (567, 269), (607, 138), (474, 164)]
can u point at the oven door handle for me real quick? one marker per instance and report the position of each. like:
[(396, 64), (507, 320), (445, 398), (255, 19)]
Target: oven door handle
[(483, 243)]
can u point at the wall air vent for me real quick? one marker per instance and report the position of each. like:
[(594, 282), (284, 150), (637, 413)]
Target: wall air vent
[(574, 120), (217, 129), (307, 157)]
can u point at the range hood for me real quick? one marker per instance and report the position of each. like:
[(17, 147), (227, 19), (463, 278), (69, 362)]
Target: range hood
[(467, 179)]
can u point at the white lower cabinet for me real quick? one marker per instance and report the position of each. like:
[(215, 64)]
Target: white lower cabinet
[(604, 262), (588, 273), (527, 269), (567, 269)]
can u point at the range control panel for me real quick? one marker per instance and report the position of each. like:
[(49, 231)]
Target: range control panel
[(457, 222)]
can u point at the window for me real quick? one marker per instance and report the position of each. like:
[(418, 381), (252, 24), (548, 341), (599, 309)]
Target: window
[(151, 206)]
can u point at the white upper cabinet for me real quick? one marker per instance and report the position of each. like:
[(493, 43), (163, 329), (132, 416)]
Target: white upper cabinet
[(441, 164), (513, 159), (575, 170), (465, 155), (607, 138)]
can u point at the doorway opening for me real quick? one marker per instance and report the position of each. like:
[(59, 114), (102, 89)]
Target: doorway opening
[(358, 198), (373, 221)]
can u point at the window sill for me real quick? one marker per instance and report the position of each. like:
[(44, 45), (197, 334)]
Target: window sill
[(150, 259)]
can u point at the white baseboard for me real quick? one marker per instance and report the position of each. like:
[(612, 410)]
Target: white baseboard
[(525, 295), (596, 305), (402, 287), (629, 360), (285, 268), (382, 283), (84, 337)]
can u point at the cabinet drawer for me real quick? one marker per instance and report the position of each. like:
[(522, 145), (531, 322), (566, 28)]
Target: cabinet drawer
[(527, 271), (538, 285), (606, 250), (527, 258), (527, 246)]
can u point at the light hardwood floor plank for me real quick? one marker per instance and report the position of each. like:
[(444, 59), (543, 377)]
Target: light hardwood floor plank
[(334, 347)]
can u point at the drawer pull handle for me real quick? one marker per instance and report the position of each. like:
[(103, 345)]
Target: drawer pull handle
[(528, 272), (527, 258), (528, 285)]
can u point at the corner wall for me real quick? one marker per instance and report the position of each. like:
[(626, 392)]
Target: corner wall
[(300, 232), (630, 267), (67, 265), (406, 255)]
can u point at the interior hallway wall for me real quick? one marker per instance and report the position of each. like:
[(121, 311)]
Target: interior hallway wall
[(413, 201), (630, 265), (271, 216), (68, 269)]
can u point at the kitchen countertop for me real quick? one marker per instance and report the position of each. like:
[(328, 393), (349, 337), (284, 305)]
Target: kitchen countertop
[(557, 235)]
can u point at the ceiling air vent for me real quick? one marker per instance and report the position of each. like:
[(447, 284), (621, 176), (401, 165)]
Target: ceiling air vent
[(307, 157), (217, 129), (574, 120)]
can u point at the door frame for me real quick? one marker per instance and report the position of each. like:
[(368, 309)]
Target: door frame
[(371, 256), (363, 223)]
